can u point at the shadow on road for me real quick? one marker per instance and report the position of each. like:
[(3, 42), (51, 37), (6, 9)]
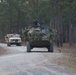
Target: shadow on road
[(40, 52)]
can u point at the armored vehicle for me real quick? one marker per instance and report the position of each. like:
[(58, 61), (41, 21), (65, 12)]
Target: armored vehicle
[(37, 36), (13, 39)]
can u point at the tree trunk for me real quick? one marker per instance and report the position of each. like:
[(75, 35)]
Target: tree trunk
[(70, 27), (1, 0), (10, 27)]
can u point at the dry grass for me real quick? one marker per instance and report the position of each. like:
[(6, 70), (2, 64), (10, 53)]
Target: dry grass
[(23, 43), (68, 61), (66, 48), (2, 51), (69, 58)]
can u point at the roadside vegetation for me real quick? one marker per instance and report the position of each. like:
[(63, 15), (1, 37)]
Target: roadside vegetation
[(69, 57), (2, 51)]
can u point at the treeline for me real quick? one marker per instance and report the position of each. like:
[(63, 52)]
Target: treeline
[(15, 15)]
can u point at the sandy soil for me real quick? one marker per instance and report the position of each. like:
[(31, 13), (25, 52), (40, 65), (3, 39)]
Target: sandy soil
[(69, 58), (2, 51), (66, 48)]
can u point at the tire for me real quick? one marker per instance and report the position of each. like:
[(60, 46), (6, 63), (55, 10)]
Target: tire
[(50, 48), (8, 44), (31, 47), (28, 47), (17, 44), (20, 44)]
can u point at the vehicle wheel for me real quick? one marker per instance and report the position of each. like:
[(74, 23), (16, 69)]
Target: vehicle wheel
[(17, 44), (20, 44), (28, 47), (8, 44), (50, 48), (31, 47)]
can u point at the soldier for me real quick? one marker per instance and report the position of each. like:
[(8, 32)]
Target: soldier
[(36, 24)]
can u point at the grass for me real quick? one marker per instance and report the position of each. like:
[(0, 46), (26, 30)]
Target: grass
[(69, 58), (2, 51), (66, 48)]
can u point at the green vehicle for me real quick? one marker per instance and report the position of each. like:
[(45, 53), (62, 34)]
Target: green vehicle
[(39, 37)]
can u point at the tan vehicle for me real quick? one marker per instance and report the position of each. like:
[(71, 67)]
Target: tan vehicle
[(13, 39)]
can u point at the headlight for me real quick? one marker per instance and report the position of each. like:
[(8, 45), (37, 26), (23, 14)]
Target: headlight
[(10, 40)]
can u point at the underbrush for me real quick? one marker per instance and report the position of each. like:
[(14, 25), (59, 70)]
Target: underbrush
[(2, 51), (69, 56)]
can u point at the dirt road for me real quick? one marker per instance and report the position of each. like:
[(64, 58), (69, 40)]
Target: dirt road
[(16, 61)]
